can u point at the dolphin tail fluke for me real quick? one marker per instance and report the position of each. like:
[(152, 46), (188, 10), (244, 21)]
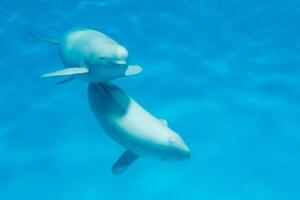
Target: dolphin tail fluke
[(133, 70), (126, 159), (45, 39)]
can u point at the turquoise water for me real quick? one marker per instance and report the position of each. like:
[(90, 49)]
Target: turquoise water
[(224, 74)]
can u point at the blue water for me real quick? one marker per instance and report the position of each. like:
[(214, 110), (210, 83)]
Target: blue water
[(224, 74)]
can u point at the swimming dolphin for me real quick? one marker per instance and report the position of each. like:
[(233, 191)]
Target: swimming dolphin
[(130, 125), (91, 56)]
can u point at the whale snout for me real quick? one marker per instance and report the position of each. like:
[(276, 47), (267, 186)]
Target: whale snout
[(180, 149), (122, 52), (121, 56), (186, 153)]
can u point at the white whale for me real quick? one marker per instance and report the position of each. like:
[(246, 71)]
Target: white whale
[(91, 56), (130, 125)]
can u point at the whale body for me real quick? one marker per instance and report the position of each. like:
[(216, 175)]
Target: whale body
[(130, 125), (91, 56)]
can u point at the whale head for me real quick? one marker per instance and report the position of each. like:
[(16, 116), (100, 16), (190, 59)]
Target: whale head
[(120, 56), (111, 54), (177, 150)]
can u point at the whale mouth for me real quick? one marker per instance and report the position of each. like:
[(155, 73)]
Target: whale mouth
[(120, 62)]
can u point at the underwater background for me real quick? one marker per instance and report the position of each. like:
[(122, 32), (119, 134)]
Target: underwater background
[(224, 74)]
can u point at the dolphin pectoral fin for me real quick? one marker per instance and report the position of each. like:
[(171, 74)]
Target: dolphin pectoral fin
[(133, 70), (67, 72), (65, 81), (126, 159), (45, 39)]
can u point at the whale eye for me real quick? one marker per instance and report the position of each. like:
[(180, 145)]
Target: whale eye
[(170, 140)]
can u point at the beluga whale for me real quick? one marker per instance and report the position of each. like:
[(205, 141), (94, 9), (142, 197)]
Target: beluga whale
[(90, 56), (130, 125)]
